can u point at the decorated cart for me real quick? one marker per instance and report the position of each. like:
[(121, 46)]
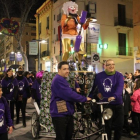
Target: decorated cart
[(84, 126)]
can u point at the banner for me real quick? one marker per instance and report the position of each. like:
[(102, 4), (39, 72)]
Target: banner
[(33, 48), (18, 57), (12, 56), (93, 33)]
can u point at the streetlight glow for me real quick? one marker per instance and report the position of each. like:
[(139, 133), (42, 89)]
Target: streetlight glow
[(43, 41), (40, 42), (94, 20)]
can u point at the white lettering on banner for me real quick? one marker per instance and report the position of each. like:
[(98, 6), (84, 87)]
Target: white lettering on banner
[(93, 33), (33, 48)]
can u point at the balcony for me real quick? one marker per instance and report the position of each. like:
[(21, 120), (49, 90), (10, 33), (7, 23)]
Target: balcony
[(45, 53), (128, 51), (59, 17), (127, 22)]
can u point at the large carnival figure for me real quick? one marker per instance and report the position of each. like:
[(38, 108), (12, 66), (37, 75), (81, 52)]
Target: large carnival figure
[(69, 22)]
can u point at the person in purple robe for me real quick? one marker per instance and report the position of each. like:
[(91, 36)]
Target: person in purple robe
[(27, 75), (5, 118), (10, 88), (23, 95), (33, 75), (35, 92)]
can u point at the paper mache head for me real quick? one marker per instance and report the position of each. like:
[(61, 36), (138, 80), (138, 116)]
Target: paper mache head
[(39, 74), (70, 7)]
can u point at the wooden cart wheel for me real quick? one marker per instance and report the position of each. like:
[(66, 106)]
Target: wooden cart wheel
[(35, 125)]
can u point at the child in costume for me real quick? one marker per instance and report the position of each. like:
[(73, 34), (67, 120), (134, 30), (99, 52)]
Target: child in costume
[(35, 89), (10, 89), (5, 118), (135, 103), (23, 94)]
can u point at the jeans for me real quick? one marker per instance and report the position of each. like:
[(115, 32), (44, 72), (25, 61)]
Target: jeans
[(64, 127), (116, 122)]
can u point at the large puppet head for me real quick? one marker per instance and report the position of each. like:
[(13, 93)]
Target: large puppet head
[(70, 7)]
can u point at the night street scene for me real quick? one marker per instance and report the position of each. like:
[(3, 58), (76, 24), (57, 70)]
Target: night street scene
[(69, 70)]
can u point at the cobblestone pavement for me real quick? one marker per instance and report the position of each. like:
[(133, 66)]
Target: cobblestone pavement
[(22, 133)]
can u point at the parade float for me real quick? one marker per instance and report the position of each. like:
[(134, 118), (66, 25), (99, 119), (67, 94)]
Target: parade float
[(84, 126)]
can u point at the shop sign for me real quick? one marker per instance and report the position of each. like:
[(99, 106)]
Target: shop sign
[(33, 48)]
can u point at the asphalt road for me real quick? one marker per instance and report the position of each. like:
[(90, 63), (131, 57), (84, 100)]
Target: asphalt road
[(24, 133)]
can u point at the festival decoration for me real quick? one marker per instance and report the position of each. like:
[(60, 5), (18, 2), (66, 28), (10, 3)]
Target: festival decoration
[(12, 56), (45, 117), (18, 56), (8, 26)]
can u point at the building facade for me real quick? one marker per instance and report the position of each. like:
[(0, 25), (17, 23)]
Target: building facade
[(44, 32), (9, 44), (115, 18), (136, 23)]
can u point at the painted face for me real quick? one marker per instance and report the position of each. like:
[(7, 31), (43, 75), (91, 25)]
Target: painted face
[(64, 71), (72, 10), (110, 66)]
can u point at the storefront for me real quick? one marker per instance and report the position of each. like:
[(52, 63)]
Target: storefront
[(48, 66)]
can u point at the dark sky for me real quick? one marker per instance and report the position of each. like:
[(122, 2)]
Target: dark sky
[(35, 7), (15, 10)]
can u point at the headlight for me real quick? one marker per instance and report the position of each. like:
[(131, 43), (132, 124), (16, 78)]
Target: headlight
[(107, 114)]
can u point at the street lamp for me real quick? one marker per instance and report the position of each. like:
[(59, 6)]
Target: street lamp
[(40, 42), (3, 62)]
